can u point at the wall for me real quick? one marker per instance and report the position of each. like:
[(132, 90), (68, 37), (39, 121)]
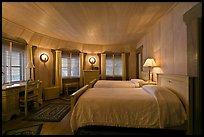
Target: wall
[(87, 65), (44, 71), (167, 41)]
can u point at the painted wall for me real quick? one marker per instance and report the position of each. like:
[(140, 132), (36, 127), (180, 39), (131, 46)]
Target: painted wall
[(167, 41)]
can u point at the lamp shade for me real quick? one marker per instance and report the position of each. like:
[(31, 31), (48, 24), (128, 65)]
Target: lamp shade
[(149, 63)]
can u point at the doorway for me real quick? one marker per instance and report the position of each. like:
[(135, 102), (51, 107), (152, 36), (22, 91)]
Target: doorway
[(139, 62)]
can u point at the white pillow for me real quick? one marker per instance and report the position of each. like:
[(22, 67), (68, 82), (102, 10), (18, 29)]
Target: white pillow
[(137, 82), (137, 85), (155, 89)]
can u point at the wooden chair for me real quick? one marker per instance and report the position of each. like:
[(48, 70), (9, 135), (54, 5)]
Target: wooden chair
[(30, 95)]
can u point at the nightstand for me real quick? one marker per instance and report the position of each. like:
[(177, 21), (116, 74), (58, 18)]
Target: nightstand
[(90, 75), (149, 83)]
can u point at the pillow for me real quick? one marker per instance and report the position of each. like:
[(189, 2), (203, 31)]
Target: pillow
[(137, 82), (155, 89), (137, 85)]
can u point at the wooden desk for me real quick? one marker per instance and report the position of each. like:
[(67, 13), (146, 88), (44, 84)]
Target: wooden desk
[(10, 99)]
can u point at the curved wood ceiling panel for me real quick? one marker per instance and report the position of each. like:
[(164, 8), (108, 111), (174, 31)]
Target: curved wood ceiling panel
[(87, 22)]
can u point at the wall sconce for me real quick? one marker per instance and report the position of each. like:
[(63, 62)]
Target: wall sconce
[(92, 60), (44, 57)]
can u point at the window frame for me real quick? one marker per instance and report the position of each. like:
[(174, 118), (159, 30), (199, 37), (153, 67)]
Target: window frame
[(69, 57), (112, 56), (7, 56)]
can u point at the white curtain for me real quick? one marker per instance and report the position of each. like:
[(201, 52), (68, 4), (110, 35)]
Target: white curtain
[(81, 61), (58, 70), (123, 58), (103, 66), (30, 67)]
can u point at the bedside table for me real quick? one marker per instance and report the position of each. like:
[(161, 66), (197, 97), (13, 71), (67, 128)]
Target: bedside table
[(149, 83)]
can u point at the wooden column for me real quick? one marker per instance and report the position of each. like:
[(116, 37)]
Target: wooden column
[(58, 70)]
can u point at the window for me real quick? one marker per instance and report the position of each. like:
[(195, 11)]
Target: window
[(16, 71), (70, 65), (114, 65)]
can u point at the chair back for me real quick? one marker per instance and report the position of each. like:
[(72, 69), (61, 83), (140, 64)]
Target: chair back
[(31, 88)]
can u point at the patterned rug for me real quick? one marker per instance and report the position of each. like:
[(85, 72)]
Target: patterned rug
[(31, 130), (50, 113)]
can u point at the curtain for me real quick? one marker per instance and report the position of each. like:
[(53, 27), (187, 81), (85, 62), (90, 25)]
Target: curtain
[(103, 66), (58, 70), (123, 58), (81, 64)]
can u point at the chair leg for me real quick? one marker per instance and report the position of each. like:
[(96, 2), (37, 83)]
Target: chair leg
[(26, 108), (36, 105)]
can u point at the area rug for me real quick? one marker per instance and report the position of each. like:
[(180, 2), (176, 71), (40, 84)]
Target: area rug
[(31, 130), (50, 113)]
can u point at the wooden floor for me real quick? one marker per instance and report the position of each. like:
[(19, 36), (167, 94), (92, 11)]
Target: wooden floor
[(49, 128)]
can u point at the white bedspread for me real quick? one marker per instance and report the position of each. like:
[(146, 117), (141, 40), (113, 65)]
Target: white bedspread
[(126, 107), (115, 84)]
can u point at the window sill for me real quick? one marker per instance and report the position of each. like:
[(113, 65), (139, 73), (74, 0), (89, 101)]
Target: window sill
[(70, 77)]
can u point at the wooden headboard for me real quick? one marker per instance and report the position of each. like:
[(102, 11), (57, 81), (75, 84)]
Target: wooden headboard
[(179, 84)]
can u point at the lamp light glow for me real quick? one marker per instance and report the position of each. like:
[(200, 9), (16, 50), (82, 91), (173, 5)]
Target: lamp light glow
[(149, 63), (92, 60), (44, 57)]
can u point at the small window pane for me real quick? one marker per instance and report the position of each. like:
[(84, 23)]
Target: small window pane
[(109, 66), (15, 73), (64, 72), (7, 74), (117, 65), (15, 59), (64, 62), (75, 66), (70, 66)]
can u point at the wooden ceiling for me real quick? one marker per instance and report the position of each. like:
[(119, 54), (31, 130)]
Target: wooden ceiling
[(102, 23)]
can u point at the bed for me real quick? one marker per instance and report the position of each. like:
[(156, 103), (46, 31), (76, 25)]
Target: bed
[(162, 106), (133, 83)]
